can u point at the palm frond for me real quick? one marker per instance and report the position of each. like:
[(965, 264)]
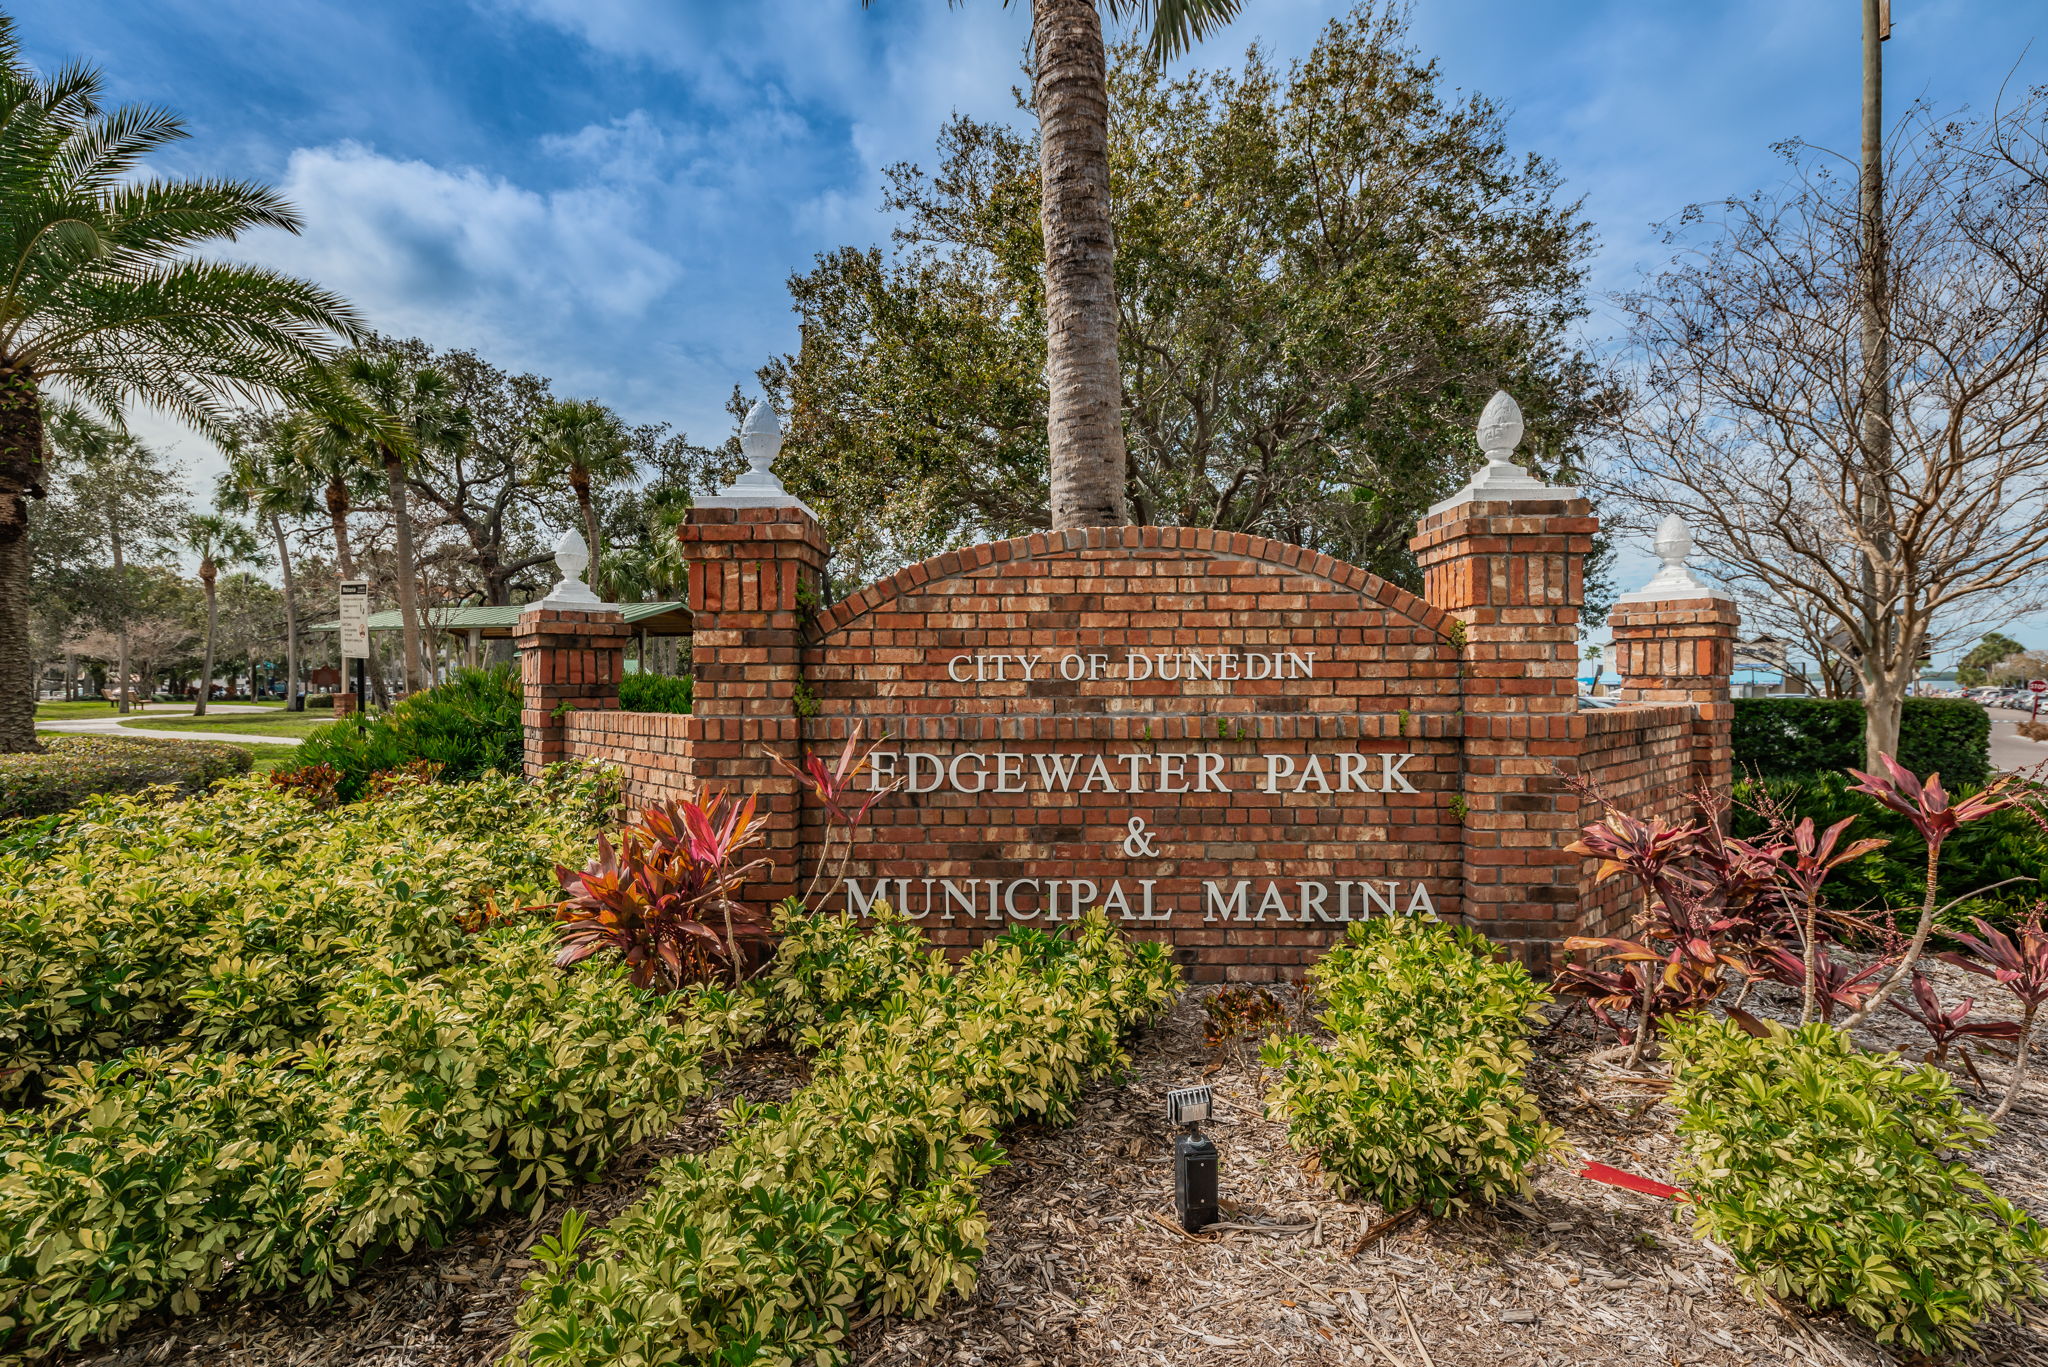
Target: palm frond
[(1177, 25)]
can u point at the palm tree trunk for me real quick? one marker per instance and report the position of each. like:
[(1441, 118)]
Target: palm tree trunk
[(579, 480), (291, 617), (206, 575), (21, 479), (337, 513), (1084, 391), (408, 596)]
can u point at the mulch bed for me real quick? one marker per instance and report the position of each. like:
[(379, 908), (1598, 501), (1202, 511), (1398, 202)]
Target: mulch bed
[(1085, 1264)]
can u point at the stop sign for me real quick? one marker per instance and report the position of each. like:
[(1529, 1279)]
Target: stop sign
[(2038, 685)]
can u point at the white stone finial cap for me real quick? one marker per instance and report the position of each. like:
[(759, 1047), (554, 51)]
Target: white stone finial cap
[(760, 443), (572, 558), (1500, 425), (1500, 480), (1673, 545)]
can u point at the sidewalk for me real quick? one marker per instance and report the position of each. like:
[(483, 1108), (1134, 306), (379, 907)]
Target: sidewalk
[(110, 725)]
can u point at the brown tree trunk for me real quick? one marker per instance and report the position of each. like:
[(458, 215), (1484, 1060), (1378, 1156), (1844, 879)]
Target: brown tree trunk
[(291, 616), (1084, 390), (207, 573), (337, 513), (21, 479), (579, 481), (408, 597), (1884, 697)]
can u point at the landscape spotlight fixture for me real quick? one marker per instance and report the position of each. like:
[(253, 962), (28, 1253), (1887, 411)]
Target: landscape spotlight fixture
[(1194, 1159)]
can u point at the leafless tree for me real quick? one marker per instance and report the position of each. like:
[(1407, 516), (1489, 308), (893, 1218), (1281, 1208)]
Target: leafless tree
[(1749, 394)]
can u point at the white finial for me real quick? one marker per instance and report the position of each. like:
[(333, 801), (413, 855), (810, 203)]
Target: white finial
[(760, 443), (1674, 580), (572, 558), (1500, 426), (1500, 480)]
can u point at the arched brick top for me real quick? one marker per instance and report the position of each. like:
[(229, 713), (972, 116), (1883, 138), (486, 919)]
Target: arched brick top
[(1204, 540)]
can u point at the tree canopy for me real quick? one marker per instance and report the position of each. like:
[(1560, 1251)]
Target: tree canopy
[(1322, 274)]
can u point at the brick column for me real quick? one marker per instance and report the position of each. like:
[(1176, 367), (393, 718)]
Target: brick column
[(1674, 642), (570, 659), (1505, 556), (757, 574)]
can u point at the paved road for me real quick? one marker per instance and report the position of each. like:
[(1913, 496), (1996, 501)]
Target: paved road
[(2009, 749), (110, 725)]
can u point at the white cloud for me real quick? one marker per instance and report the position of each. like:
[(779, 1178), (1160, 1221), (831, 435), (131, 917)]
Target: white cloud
[(428, 249)]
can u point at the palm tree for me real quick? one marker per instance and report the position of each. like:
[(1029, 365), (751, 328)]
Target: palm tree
[(265, 481), (1070, 91), (583, 442), (394, 410), (216, 541), (326, 453), (100, 296)]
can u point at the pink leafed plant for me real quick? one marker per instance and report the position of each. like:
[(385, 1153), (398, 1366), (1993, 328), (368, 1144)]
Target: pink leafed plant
[(1948, 1025), (836, 788), (2021, 968), (1928, 807)]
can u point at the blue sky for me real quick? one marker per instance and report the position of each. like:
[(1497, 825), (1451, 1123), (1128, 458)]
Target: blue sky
[(612, 192)]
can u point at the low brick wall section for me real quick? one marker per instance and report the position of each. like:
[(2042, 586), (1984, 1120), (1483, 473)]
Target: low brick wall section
[(1636, 758)]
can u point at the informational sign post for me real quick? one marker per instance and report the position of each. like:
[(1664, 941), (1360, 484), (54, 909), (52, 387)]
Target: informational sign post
[(355, 619)]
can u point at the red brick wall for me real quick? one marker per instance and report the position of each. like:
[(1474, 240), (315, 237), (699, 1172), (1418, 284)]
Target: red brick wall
[(1635, 758), (1481, 704)]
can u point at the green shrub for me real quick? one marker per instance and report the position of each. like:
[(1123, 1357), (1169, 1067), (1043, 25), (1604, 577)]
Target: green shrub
[(225, 920), (861, 1189), (469, 726), (830, 968), (1803, 737), (74, 768), (1824, 1170), (1418, 1097), (325, 700), (425, 1102), (655, 693), (2004, 845)]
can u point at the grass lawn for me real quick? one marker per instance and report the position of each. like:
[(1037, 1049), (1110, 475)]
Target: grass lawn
[(249, 723), (71, 711), (266, 757)]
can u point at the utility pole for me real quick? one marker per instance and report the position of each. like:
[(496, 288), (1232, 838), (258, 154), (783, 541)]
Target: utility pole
[(1874, 431)]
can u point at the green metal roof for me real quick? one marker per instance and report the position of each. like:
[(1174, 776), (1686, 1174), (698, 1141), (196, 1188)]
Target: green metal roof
[(668, 619)]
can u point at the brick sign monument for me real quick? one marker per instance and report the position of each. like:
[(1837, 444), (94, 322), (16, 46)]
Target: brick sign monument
[(1230, 743)]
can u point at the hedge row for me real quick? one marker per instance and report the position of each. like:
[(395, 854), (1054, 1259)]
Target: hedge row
[(1830, 1175), (1802, 737), (1985, 854), (155, 1178), (72, 769), (1418, 1097), (226, 920), (860, 1191)]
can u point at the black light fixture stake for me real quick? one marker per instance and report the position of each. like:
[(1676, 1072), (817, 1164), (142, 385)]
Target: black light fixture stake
[(1194, 1159)]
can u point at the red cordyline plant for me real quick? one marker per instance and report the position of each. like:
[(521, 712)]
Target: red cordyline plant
[(2021, 968), (1826, 985), (663, 896), (1947, 1025), (1809, 858), (1928, 806), (1704, 895), (836, 790)]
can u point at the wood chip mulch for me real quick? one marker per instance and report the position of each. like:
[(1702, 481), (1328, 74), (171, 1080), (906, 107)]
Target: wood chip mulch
[(1085, 1265)]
